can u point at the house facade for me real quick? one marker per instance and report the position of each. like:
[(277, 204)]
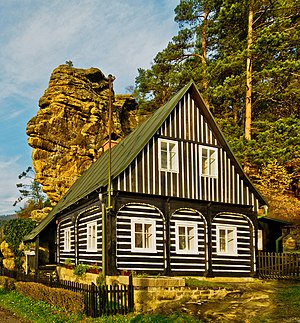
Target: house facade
[(180, 203)]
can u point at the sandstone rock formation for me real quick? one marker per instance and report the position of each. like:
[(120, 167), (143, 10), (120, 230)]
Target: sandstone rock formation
[(8, 261), (68, 133)]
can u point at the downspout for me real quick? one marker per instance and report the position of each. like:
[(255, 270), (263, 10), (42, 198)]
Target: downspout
[(266, 211)]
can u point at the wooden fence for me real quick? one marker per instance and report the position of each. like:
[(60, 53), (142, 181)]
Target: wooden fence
[(271, 265), (105, 299), (99, 300)]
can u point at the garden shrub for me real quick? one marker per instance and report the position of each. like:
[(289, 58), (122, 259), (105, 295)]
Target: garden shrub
[(80, 270), (71, 301), (7, 283)]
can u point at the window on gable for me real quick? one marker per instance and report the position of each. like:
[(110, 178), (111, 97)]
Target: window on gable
[(92, 236), (168, 155), (226, 240), (143, 235), (67, 239), (209, 161), (186, 237)]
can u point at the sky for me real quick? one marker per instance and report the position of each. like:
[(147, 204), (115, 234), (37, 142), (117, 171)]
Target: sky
[(36, 36)]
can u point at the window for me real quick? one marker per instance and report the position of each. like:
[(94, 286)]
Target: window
[(168, 155), (226, 240), (92, 236), (186, 237), (143, 235), (209, 161), (259, 240), (67, 239)]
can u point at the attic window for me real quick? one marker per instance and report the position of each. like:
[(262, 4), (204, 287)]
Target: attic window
[(209, 161), (168, 155)]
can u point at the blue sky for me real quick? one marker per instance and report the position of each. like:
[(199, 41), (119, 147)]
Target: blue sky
[(117, 36)]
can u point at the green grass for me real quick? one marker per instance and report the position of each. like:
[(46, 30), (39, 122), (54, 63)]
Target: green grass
[(286, 301), (34, 311), (41, 312)]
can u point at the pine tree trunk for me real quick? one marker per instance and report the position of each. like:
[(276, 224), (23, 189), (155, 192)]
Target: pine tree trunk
[(248, 108)]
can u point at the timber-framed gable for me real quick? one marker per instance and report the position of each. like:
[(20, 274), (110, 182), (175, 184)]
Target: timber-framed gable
[(206, 170)]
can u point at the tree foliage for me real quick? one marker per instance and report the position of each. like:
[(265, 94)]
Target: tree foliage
[(275, 177), (30, 192), (211, 48), (14, 231), (272, 141)]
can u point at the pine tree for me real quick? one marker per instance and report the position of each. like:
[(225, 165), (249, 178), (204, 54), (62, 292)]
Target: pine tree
[(213, 46)]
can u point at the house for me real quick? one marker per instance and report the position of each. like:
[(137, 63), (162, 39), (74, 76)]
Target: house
[(179, 204)]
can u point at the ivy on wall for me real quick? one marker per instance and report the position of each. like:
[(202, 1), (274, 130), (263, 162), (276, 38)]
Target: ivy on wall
[(14, 231)]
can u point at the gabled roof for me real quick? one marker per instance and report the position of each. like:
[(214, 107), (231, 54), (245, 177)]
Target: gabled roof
[(126, 151)]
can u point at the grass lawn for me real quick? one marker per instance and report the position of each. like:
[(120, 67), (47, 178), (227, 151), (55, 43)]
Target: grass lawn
[(286, 301)]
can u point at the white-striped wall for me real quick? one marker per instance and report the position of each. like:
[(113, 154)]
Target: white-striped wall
[(189, 263), (139, 261), (187, 125), (239, 264)]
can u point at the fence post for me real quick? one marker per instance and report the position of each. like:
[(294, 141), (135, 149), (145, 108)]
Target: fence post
[(92, 301), (130, 294)]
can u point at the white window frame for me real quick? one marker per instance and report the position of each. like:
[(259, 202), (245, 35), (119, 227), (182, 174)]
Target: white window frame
[(144, 223), (171, 167), (91, 240), (211, 171), (230, 240), (67, 239), (185, 224)]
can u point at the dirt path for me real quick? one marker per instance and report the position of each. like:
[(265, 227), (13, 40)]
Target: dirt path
[(253, 300)]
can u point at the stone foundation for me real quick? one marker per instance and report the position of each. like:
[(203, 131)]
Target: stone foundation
[(152, 293)]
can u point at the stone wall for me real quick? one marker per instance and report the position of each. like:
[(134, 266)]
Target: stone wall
[(151, 294)]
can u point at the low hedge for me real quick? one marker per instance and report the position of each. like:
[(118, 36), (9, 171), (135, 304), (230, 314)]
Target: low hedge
[(71, 301), (7, 283)]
